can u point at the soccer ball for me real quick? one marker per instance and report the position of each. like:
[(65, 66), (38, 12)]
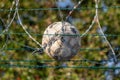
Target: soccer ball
[(61, 41)]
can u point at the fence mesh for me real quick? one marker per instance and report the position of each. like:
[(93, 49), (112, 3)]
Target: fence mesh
[(100, 34)]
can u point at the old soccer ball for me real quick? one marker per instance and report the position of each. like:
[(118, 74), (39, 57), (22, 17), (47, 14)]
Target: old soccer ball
[(61, 41)]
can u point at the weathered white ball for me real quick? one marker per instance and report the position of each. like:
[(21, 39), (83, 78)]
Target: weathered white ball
[(61, 41)]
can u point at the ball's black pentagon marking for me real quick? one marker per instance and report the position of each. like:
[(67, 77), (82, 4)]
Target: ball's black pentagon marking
[(62, 39), (73, 30)]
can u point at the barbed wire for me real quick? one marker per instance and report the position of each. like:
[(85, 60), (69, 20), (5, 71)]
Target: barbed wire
[(41, 9)]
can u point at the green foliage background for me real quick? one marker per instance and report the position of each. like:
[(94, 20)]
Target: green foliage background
[(37, 21)]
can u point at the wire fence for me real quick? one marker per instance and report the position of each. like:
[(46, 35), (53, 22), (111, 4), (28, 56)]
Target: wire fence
[(41, 9), (107, 35), (6, 64), (51, 60), (32, 49), (82, 49), (37, 66)]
